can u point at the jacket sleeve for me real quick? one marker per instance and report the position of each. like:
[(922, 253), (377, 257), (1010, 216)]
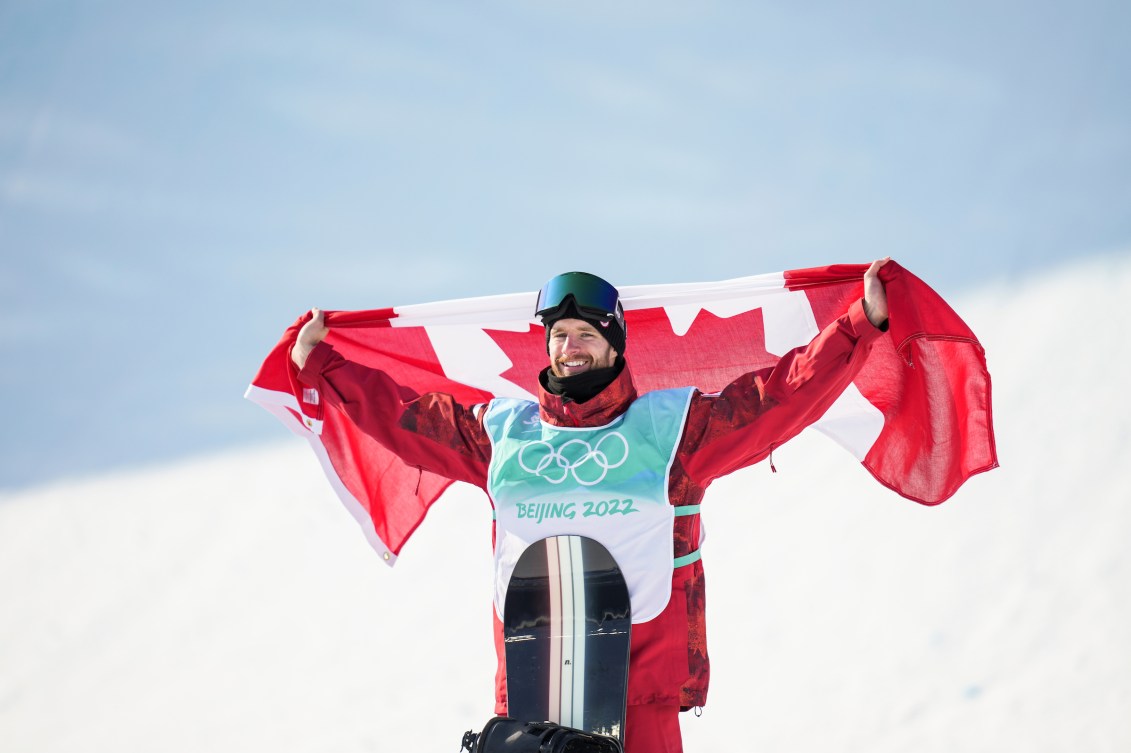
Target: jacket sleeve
[(763, 409), (430, 431)]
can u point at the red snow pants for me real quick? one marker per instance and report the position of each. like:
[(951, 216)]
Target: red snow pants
[(652, 729)]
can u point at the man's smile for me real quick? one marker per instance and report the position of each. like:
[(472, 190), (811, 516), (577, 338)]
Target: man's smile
[(574, 365)]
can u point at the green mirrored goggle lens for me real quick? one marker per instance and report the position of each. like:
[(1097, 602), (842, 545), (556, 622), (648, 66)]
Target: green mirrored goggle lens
[(589, 292)]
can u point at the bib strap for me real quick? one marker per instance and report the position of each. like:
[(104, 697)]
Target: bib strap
[(687, 559)]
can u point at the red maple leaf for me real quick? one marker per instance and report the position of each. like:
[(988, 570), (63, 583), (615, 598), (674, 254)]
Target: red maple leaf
[(406, 353), (713, 352)]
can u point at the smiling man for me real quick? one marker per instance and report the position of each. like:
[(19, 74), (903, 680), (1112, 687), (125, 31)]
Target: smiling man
[(576, 346), (585, 334), (670, 446)]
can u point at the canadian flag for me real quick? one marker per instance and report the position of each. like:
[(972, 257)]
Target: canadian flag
[(917, 416)]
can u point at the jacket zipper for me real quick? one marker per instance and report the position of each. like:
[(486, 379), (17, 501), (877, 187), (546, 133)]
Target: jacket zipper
[(569, 414)]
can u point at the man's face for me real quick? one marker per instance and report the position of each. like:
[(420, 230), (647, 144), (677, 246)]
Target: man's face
[(576, 347)]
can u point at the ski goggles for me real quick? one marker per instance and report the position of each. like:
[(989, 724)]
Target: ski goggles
[(590, 294)]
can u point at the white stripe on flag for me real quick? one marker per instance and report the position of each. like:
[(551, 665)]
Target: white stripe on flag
[(852, 422)]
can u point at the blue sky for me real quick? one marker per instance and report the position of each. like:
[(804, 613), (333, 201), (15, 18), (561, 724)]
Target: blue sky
[(179, 181)]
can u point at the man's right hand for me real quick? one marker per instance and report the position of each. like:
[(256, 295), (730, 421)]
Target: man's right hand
[(312, 333)]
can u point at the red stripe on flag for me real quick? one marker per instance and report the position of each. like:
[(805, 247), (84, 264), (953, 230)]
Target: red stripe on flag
[(929, 379)]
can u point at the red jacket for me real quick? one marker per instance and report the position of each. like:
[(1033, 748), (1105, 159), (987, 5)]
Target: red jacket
[(725, 431)]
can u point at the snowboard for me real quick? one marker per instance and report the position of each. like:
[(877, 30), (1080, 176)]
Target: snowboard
[(566, 629)]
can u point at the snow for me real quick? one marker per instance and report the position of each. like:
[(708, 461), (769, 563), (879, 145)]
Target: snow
[(229, 603)]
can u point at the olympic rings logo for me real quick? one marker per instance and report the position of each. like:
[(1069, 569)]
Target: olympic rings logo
[(588, 464)]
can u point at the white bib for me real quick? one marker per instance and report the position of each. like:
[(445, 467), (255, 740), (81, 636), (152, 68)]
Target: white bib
[(609, 483)]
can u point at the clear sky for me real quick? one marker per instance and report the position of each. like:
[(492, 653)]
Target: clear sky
[(179, 181)]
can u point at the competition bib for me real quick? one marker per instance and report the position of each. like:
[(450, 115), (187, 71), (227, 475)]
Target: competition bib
[(609, 483)]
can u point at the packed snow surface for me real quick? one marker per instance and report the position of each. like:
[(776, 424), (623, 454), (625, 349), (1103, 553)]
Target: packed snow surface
[(230, 603)]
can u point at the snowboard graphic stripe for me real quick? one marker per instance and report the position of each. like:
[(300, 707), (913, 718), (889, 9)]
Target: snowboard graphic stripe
[(569, 628), (566, 631), (559, 654)]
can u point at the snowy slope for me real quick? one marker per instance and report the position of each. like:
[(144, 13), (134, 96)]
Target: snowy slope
[(230, 604)]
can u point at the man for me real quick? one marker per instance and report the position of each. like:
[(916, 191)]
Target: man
[(680, 441)]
